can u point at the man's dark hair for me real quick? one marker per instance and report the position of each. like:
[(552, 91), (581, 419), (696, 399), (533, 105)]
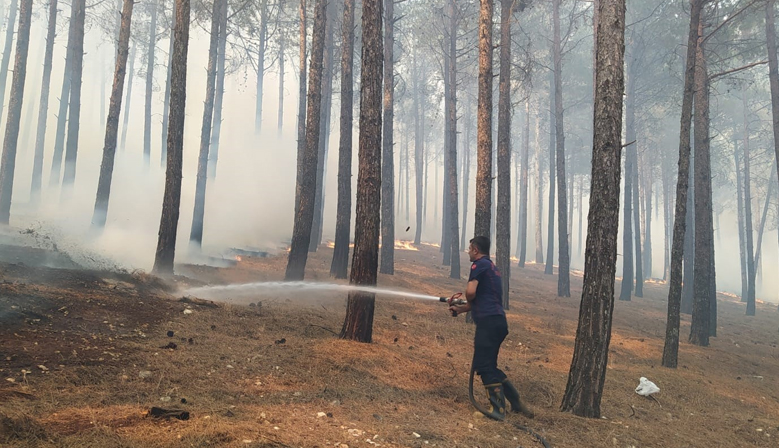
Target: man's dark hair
[(482, 244)]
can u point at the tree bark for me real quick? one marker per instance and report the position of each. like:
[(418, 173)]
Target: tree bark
[(648, 192), (454, 230), (166, 99), (484, 123), (166, 242), (307, 162), (549, 268), (741, 231), (419, 148), (8, 163), (689, 245), (539, 194), (128, 97), (704, 227), (324, 128), (6, 61), (261, 64), (748, 213), (216, 132), (149, 84), (198, 215), (523, 183), (387, 156), (466, 179), (62, 115), (639, 274), (282, 49), (564, 255), (773, 72), (358, 323), (112, 124), (503, 215), (671, 348), (340, 261), (301, 143), (626, 287), (74, 114), (43, 107), (220, 83), (588, 368)]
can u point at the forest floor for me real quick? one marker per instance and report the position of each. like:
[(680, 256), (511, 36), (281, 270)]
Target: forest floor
[(84, 356)]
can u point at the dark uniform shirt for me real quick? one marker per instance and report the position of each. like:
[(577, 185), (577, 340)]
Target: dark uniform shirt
[(489, 292)]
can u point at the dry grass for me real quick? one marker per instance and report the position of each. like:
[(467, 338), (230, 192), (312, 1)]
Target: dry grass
[(244, 387)]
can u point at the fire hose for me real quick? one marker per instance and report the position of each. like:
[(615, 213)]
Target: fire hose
[(457, 300)]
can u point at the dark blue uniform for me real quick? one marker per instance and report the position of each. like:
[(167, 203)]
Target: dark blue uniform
[(490, 318)]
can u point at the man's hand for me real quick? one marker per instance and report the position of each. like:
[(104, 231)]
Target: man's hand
[(459, 309)]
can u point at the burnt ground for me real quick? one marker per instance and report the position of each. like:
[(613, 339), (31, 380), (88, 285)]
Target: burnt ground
[(84, 355)]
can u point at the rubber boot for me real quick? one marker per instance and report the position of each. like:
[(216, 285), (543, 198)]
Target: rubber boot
[(497, 409), (512, 396)]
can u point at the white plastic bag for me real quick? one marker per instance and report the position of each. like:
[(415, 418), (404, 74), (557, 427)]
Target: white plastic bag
[(646, 388)]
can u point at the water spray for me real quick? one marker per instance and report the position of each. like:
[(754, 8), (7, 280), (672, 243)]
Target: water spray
[(248, 290)]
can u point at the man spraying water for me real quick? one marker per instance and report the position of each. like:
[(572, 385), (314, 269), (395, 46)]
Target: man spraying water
[(484, 300)]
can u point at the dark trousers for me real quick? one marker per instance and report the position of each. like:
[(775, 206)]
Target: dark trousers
[(490, 333)]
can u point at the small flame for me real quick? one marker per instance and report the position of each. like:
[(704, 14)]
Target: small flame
[(238, 258), (331, 244), (404, 245)]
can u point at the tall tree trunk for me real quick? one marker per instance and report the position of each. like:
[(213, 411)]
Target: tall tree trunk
[(74, 114), (282, 49), (340, 261), (639, 275), (8, 163), (196, 233), (446, 248), (301, 143), (216, 132), (503, 214), (773, 72), (128, 97), (324, 128), (549, 268), (454, 230), (647, 252), (564, 255), (166, 242), (261, 63), (166, 99), (590, 357), (358, 323), (419, 156), (466, 179), (748, 212), (112, 124), (484, 123), (626, 288), (704, 229), (149, 84), (741, 231), (43, 107), (523, 197), (539, 194), (307, 162), (770, 191), (689, 246), (62, 114), (387, 157), (671, 348), (667, 224), (6, 61)]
